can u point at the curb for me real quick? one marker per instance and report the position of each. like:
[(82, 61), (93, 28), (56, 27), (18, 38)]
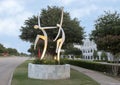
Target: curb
[(10, 80)]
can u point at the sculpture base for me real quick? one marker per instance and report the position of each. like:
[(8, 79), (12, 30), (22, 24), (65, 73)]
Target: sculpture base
[(38, 71)]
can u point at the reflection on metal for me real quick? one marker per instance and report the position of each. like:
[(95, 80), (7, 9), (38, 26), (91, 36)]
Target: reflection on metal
[(60, 41), (43, 37)]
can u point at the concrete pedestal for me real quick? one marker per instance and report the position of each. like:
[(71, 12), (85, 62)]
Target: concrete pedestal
[(38, 71)]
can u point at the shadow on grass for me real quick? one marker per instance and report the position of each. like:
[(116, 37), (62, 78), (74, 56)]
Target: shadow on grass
[(20, 77)]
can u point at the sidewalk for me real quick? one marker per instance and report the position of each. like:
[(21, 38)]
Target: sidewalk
[(100, 78)]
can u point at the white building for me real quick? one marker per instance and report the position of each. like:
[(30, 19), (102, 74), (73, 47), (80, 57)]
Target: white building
[(88, 47)]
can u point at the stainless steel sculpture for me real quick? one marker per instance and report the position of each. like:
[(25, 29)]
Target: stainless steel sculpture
[(44, 36), (60, 41)]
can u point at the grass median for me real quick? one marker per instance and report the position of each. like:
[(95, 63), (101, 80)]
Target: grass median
[(20, 77)]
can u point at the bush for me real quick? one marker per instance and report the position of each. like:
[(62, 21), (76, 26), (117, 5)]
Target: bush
[(104, 56), (92, 65), (64, 61), (47, 62)]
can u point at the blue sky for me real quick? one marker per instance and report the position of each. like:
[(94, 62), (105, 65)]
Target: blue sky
[(13, 13)]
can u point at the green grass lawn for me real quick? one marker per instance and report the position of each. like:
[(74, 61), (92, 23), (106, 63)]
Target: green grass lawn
[(20, 77)]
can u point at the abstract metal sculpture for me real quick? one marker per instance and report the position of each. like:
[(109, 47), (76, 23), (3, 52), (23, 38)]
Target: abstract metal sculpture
[(60, 41), (44, 36)]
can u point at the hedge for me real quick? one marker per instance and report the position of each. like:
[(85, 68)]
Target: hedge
[(92, 65)]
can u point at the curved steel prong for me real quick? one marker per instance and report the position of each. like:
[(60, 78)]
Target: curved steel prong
[(44, 27), (59, 25), (61, 18), (58, 49), (45, 45), (61, 40), (57, 35), (36, 40), (48, 27), (44, 36), (39, 20)]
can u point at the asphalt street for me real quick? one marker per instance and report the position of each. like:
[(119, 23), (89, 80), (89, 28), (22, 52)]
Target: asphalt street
[(7, 67)]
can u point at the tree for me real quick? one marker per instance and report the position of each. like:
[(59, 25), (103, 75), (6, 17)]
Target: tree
[(72, 50), (2, 49), (50, 17), (107, 33), (23, 54), (95, 55), (104, 56), (32, 51), (12, 51)]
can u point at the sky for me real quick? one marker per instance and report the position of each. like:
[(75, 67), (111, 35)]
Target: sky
[(13, 14)]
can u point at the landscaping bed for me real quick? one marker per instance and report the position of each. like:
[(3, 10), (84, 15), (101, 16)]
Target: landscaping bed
[(20, 77)]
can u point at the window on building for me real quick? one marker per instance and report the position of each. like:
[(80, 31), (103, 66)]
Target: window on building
[(91, 50)]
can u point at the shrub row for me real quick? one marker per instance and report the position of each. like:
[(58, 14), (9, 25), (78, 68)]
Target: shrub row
[(92, 65), (46, 62)]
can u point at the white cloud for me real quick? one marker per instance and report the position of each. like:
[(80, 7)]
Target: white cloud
[(67, 2), (8, 26), (12, 17), (84, 11), (10, 6), (101, 1)]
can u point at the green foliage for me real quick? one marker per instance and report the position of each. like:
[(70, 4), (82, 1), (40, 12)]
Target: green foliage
[(63, 61), (46, 62), (78, 56), (70, 49), (95, 55), (104, 56), (10, 51), (23, 54), (74, 51), (92, 65), (107, 32), (109, 43), (2, 49), (32, 51), (50, 17), (107, 24), (117, 55)]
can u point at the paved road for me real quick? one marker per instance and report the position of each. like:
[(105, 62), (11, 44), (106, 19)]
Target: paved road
[(7, 66), (100, 78)]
